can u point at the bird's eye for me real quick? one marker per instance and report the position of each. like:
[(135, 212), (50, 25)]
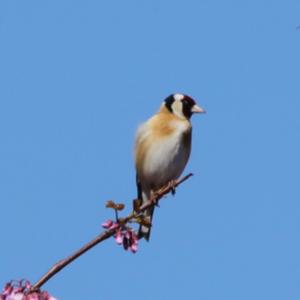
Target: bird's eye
[(185, 102)]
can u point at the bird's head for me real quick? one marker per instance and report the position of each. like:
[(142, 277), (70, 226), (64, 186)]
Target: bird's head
[(182, 105)]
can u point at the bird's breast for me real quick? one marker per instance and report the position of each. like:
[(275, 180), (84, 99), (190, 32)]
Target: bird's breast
[(164, 157)]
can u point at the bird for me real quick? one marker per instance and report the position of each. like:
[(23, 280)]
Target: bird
[(162, 150)]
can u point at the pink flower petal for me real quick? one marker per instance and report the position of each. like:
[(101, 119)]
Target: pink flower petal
[(33, 296), (17, 290), (114, 226), (134, 247), (27, 284), (107, 224), (13, 296), (128, 234), (119, 237), (7, 289), (135, 237)]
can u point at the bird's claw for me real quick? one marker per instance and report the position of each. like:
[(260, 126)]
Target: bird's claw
[(155, 200), (172, 185)]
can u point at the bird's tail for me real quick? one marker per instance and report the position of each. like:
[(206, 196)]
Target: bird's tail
[(144, 196), (144, 231)]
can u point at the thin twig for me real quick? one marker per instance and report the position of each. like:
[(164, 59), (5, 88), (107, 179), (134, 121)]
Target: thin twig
[(106, 234)]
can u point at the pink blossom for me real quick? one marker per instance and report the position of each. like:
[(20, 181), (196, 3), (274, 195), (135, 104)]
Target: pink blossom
[(133, 241), (19, 290), (109, 224), (124, 235), (15, 296), (130, 240), (119, 237), (134, 247)]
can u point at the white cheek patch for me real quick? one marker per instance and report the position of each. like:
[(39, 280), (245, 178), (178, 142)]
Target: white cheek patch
[(177, 108)]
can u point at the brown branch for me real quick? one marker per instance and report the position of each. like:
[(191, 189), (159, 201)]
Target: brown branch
[(106, 234)]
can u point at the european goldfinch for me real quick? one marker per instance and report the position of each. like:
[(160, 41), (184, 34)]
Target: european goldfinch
[(162, 149)]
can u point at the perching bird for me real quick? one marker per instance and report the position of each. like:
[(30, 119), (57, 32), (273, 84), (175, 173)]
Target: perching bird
[(162, 149)]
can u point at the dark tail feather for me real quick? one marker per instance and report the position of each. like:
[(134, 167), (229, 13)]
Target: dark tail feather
[(139, 188), (144, 231)]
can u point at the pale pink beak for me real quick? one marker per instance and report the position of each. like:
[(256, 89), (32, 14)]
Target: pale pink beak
[(197, 109)]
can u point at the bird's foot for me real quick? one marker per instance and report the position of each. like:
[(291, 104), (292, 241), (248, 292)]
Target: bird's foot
[(137, 203), (155, 200)]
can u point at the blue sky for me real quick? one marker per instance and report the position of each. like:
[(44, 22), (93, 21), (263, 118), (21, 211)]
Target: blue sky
[(77, 77)]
